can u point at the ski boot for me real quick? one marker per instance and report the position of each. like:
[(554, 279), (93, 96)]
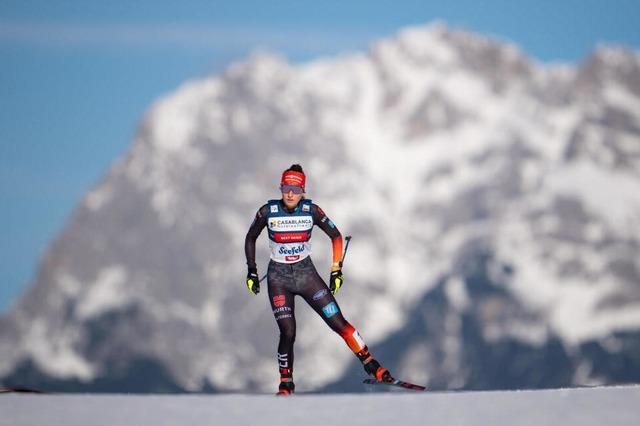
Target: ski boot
[(373, 368), (286, 382), (286, 389)]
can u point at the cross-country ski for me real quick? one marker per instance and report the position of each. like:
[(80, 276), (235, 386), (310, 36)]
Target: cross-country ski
[(372, 385)]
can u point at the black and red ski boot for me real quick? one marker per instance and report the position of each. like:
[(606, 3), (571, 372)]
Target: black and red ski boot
[(286, 389), (286, 382), (373, 367)]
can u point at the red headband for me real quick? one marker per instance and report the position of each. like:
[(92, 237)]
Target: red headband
[(293, 178)]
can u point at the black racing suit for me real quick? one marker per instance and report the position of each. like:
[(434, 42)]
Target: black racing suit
[(287, 280)]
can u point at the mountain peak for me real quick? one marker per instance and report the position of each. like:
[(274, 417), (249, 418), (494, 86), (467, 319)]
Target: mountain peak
[(611, 63), (437, 46), (615, 55), (260, 62)]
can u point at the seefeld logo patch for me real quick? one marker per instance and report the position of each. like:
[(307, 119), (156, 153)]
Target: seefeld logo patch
[(291, 250)]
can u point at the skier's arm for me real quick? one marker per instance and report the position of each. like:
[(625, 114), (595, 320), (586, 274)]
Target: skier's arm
[(258, 224), (329, 228)]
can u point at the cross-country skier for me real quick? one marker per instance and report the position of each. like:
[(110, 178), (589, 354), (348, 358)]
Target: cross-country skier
[(291, 273)]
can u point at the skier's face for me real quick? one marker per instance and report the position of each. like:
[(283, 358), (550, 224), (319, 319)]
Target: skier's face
[(291, 199)]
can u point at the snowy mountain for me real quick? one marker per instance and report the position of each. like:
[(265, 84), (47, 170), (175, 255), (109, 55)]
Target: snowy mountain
[(492, 201)]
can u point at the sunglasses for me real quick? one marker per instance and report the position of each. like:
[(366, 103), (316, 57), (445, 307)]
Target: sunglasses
[(295, 189)]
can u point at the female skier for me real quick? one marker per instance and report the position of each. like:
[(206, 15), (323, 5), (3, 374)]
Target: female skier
[(291, 272)]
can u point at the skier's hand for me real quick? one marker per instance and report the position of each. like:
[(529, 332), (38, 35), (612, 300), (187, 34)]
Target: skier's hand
[(253, 283), (335, 281)]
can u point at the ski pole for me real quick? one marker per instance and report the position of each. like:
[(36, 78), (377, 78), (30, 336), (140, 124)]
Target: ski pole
[(346, 247)]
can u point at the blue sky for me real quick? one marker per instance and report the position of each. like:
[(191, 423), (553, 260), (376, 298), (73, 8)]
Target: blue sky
[(76, 76)]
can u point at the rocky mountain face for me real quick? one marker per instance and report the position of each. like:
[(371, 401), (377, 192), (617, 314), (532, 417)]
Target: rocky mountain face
[(493, 203)]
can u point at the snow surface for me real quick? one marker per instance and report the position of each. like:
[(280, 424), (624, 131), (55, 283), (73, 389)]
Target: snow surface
[(567, 407)]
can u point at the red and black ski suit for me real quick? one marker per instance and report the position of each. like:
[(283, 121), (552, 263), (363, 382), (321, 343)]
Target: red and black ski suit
[(292, 273)]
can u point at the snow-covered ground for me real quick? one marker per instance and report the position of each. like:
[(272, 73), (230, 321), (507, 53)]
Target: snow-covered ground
[(587, 406)]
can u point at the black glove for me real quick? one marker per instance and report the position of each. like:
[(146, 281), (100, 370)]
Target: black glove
[(335, 281), (253, 283)]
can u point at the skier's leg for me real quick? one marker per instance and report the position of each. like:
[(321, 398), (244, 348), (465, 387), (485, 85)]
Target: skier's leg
[(282, 305), (317, 295)]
